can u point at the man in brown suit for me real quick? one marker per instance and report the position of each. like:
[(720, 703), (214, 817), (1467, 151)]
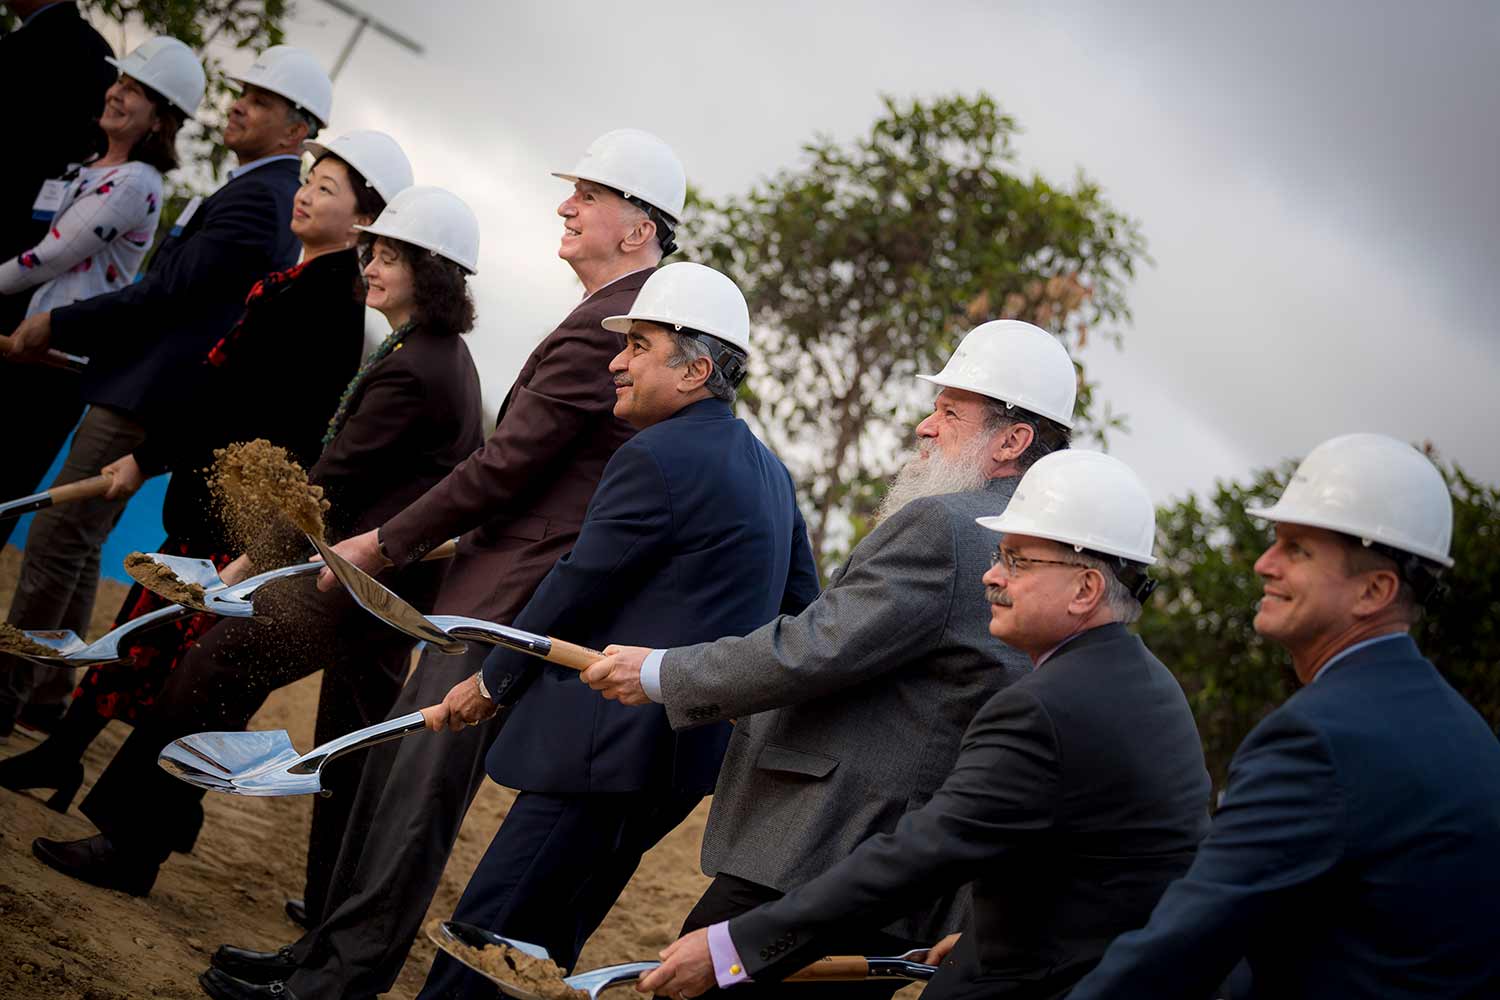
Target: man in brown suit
[(518, 502)]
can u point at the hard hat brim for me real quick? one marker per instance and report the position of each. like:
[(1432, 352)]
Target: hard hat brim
[(575, 178), (1276, 516), (374, 230), (621, 324), (192, 113), (999, 523), (281, 94), (970, 387)]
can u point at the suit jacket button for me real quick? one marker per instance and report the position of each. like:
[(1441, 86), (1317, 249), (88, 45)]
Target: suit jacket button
[(765, 954)]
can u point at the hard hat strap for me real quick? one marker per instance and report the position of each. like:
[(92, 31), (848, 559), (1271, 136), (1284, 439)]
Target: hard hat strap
[(728, 359), (1422, 575), (664, 228)]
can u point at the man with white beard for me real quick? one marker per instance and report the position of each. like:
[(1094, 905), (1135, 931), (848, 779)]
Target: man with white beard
[(850, 713)]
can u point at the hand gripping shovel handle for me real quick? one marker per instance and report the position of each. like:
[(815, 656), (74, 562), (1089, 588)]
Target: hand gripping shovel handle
[(52, 359), (83, 489)]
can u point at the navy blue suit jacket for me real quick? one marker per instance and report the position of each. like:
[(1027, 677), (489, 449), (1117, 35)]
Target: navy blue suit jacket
[(144, 339), (693, 534), (1356, 853)]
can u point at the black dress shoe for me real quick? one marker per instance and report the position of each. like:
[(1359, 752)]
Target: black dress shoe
[(259, 967), (296, 912), (222, 986), (96, 861), (43, 767)]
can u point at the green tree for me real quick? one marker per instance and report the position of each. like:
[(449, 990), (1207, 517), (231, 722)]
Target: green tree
[(865, 264), (1200, 621)]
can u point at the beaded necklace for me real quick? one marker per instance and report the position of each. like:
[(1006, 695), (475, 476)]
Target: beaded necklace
[(392, 342)]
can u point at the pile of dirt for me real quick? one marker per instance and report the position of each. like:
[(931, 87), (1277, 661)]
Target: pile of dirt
[(14, 640), (259, 489), (534, 975), (160, 580)]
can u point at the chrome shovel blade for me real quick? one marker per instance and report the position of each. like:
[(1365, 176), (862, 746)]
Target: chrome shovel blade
[(265, 762), (74, 652), (451, 935), (219, 598), (379, 601)]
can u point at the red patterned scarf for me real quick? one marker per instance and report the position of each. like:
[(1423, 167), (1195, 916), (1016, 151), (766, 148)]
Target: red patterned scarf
[(270, 283)]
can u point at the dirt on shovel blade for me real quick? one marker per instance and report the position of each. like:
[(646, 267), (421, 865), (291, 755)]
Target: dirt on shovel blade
[(261, 493), (14, 640), (535, 975), (162, 581)]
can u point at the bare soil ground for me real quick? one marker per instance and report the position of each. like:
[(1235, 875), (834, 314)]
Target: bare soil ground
[(62, 939)]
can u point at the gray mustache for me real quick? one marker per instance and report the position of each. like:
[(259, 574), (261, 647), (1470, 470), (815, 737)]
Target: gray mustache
[(997, 596)]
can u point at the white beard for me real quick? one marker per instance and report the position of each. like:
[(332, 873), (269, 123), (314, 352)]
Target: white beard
[(935, 474)]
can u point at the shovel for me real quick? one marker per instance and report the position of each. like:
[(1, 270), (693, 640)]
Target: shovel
[(455, 938), (74, 652), (52, 359), (447, 632), (265, 763), (234, 600), (83, 489)]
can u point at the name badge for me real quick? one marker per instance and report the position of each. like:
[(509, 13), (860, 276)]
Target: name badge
[(48, 200), (187, 215)]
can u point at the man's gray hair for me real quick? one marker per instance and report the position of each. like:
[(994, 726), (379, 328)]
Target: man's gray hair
[(296, 113), (1117, 596), (686, 349), (1047, 435)]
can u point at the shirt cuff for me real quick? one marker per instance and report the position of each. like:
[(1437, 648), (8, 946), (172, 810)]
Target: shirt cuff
[(728, 970), (479, 679), (651, 675)]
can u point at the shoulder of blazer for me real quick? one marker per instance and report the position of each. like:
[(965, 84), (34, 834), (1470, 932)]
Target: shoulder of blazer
[(613, 298)]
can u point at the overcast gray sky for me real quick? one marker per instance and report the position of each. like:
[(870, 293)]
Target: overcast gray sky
[(1318, 182)]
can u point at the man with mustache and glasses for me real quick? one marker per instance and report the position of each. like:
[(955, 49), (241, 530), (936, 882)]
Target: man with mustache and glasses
[(1078, 794), (1353, 854), (849, 714)]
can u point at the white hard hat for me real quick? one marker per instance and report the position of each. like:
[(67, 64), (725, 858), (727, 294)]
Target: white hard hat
[(433, 219), (1085, 499), (168, 67), (1016, 363), (294, 74), (636, 163), (1376, 488), (693, 297), (376, 156)]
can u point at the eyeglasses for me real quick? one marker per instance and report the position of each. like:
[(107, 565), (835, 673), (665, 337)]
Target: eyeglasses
[(1016, 565)]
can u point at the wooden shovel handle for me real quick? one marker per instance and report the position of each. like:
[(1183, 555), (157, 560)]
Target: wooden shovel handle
[(567, 654), (52, 359), (83, 489), (840, 967), (443, 551)]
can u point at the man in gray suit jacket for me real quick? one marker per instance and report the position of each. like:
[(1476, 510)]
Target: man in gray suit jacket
[(849, 714), (1079, 792)]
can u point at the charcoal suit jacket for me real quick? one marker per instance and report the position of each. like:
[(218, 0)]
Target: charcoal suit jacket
[(1079, 792)]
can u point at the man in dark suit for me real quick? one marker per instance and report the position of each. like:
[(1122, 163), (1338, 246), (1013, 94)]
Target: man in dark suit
[(518, 502), (1354, 852), (53, 71), (850, 714), (1079, 791), (694, 533), (144, 339)]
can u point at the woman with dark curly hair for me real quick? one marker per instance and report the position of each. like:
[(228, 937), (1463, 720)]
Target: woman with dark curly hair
[(313, 313), (409, 415)]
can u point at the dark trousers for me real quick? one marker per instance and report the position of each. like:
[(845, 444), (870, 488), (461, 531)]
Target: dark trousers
[(60, 566), (406, 814), (552, 872), (221, 683), (39, 407), (729, 896)]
